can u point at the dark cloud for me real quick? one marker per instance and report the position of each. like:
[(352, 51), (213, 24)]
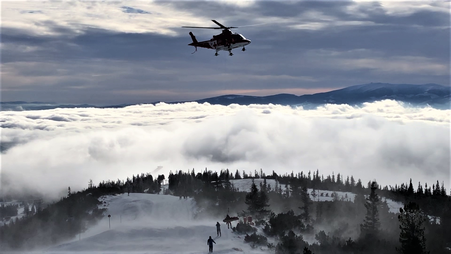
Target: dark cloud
[(297, 8), (92, 44), (210, 10), (127, 9), (424, 18)]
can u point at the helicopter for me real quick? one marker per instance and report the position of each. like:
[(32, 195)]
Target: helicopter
[(225, 41)]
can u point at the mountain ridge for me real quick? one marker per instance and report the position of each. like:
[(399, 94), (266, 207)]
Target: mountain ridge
[(426, 94), (434, 95)]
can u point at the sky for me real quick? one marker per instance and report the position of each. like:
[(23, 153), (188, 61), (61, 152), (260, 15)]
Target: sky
[(386, 141), (112, 52)]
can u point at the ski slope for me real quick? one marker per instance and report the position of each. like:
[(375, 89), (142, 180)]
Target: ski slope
[(148, 223)]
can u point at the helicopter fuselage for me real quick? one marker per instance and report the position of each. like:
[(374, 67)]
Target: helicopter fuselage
[(225, 42)]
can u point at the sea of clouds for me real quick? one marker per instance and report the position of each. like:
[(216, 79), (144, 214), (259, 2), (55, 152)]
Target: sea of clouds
[(387, 141)]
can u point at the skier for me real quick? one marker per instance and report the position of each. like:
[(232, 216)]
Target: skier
[(218, 229), (210, 244)]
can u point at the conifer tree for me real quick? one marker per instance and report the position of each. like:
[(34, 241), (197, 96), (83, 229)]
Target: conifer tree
[(294, 188), (436, 189), (427, 190), (371, 223), (290, 244), (411, 237), (359, 185), (352, 181), (305, 198), (307, 251), (443, 190), (251, 199), (410, 189), (263, 200), (420, 189), (347, 184), (257, 202)]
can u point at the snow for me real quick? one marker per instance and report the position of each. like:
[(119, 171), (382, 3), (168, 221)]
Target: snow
[(393, 206), (434, 219), (244, 185), (151, 223), (326, 195), (20, 212), (315, 194)]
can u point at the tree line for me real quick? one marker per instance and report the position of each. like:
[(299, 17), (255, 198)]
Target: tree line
[(285, 213)]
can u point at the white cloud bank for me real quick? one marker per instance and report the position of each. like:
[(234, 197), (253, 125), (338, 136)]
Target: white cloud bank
[(386, 141)]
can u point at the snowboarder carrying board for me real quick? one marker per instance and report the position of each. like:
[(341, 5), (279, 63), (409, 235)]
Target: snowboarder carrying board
[(218, 229), (210, 244), (228, 220)]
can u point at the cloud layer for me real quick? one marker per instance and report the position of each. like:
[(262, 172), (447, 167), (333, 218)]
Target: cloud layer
[(386, 141)]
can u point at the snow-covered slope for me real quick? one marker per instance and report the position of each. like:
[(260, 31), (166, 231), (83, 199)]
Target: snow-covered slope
[(147, 223), (315, 195)]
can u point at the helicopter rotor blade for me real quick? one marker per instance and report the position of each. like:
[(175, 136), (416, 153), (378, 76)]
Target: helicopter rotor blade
[(222, 26), (201, 27), (219, 24)]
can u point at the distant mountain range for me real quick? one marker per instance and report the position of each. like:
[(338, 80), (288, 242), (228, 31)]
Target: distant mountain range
[(437, 96), (428, 94)]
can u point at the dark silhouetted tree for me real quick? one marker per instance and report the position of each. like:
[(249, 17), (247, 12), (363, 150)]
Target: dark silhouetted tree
[(290, 244), (371, 223), (257, 202), (305, 198), (307, 251), (410, 189), (237, 175), (411, 237), (420, 189)]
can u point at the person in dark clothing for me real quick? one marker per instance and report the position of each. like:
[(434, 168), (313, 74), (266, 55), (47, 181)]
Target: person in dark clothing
[(210, 244), (227, 221), (218, 229)]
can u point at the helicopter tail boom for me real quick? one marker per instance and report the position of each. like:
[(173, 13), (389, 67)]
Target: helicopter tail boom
[(193, 38)]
